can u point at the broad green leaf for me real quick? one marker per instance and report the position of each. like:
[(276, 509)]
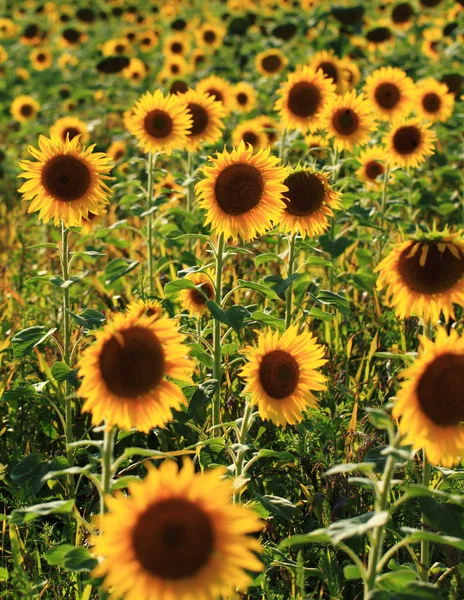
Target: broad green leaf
[(26, 340), (24, 515)]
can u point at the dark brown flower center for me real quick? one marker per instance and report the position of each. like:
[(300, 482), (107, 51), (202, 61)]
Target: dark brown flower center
[(66, 178), (72, 132), (305, 194), (407, 139), (178, 87), (26, 110), (242, 98), (279, 374), (119, 48), (118, 154), (200, 58), (41, 57), (431, 102), (402, 13), (429, 3), (132, 363), (217, 95), (304, 99), (440, 273), (440, 390), (329, 70), (209, 37), (270, 132), (239, 188), (345, 121), (373, 169), (197, 297), (200, 119), (250, 137), (158, 124), (387, 95), (175, 69), (177, 48), (378, 35), (271, 63), (173, 539)]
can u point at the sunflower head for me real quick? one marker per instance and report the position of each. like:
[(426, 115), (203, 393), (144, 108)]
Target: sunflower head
[(250, 132), (271, 62), (124, 373), (373, 165), (425, 275), (391, 93), (24, 108), (220, 89), (245, 97), (409, 142), (433, 100), (207, 119), (147, 308), (309, 202), (69, 128), (177, 536), (281, 374), (429, 403), (66, 182), (242, 191), (193, 300), (332, 68), (117, 151)]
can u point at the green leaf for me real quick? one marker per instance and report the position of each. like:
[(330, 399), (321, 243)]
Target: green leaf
[(379, 418), (282, 455), (417, 535), (3, 574), (264, 258), (60, 371), (258, 287), (71, 558), (202, 396), (178, 284), (397, 580), (124, 482), (446, 518), (89, 318), (269, 320), (326, 297), (318, 261), (317, 313), (117, 268), (24, 515), (351, 572), (364, 467), (26, 340), (334, 247), (280, 285), (233, 316), (280, 507), (417, 590)]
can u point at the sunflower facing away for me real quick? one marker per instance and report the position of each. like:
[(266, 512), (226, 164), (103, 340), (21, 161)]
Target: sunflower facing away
[(391, 93), (409, 142), (177, 536), (425, 275), (349, 120), (206, 114), (160, 124), (72, 127), (429, 404), (434, 102), (373, 165), (302, 98), (281, 374), (309, 202), (194, 300), (242, 192), (124, 372), (24, 108), (66, 182)]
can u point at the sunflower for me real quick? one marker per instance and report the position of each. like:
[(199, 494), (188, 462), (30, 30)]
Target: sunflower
[(242, 192), (432, 45), (206, 114), (351, 71), (194, 300), (391, 93), (309, 202), (70, 127), (402, 16), (210, 35), (429, 403), (124, 373), (281, 374), (177, 536), (117, 151), (72, 38), (425, 275), (147, 40), (177, 44), (3, 55), (409, 142), (147, 308), (160, 123), (302, 98), (67, 60), (250, 132), (8, 28), (178, 86), (220, 89), (270, 62), (32, 35), (379, 36), (245, 97), (198, 59), (67, 181), (331, 66), (317, 144), (136, 71), (174, 66), (434, 102), (348, 119), (373, 165), (41, 59), (116, 47), (24, 108), (270, 127), (168, 187)]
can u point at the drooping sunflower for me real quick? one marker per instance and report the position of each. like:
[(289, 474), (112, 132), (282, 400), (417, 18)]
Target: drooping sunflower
[(424, 276), (409, 142), (210, 35), (402, 16), (245, 97), (391, 93), (117, 151), (282, 373), (310, 201), (24, 108), (220, 89), (250, 131), (147, 308), (177, 536), (373, 165), (66, 182), (429, 403), (434, 102), (70, 127), (207, 119), (349, 120), (41, 59), (124, 372), (242, 192), (270, 62), (302, 98), (160, 123), (194, 300), (331, 67)]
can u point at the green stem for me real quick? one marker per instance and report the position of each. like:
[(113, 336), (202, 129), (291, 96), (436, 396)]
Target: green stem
[(425, 544), (67, 353), (150, 168), (190, 184), (283, 139), (242, 436), (217, 365), (107, 466), (384, 190), (289, 290)]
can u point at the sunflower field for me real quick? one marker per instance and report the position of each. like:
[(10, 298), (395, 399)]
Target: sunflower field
[(232, 300)]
